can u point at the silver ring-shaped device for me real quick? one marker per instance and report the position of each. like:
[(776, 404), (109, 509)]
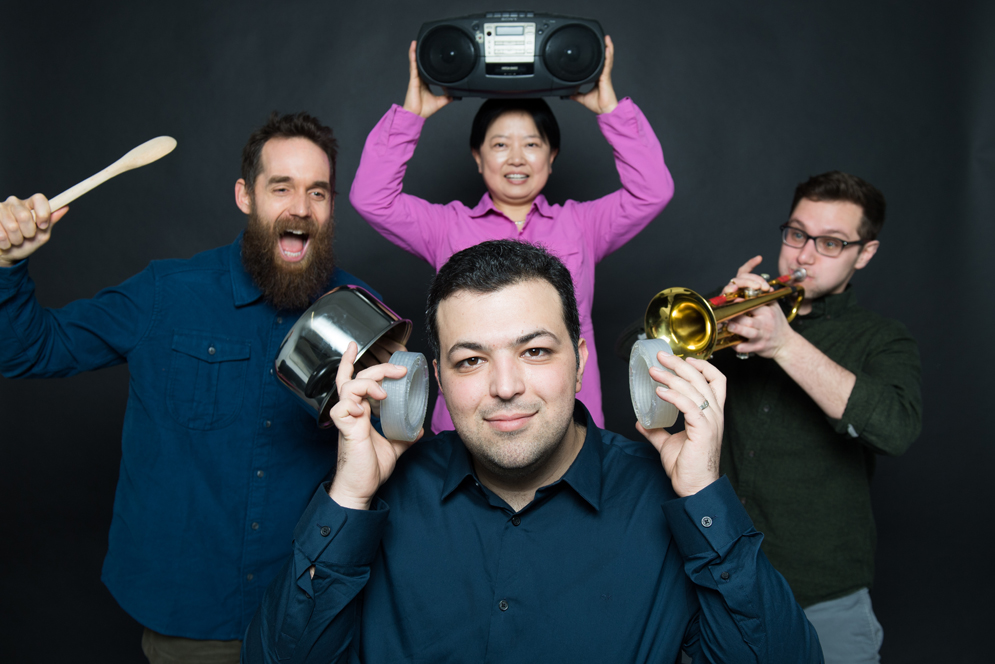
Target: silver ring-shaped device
[(652, 411), (402, 413)]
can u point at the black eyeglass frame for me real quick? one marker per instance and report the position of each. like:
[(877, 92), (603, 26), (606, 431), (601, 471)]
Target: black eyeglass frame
[(845, 243)]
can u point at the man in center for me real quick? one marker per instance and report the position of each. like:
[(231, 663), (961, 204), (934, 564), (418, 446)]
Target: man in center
[(528, 534)]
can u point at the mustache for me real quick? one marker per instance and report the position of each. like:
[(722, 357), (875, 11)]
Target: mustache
[(287, 223), (515, 405)]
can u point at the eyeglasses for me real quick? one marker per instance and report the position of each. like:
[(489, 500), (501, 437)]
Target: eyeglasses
[(827, 245)]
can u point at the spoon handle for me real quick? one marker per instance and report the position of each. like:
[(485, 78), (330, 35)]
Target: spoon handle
[(144, 154)]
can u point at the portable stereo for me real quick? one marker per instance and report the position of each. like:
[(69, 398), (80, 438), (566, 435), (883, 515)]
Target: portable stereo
[(511, 54)]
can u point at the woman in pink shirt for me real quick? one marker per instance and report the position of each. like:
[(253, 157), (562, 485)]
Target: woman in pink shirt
[(514, 142)]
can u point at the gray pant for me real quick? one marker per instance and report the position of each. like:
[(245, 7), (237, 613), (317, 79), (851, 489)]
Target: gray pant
[(847, 628), (162, 649)]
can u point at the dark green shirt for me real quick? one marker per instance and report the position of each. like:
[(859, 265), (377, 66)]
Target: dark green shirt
[(804, 477)]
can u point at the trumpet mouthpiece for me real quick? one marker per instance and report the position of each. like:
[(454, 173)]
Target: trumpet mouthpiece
[(799, 275)]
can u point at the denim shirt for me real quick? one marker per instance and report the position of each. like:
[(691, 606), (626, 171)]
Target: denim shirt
[(218, 459)]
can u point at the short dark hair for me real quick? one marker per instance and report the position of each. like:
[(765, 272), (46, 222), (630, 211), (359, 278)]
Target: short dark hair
[(294, 125), (840, 186), (491, 266), (538, 109)]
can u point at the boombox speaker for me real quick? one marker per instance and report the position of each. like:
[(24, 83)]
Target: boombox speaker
[(511, 54)]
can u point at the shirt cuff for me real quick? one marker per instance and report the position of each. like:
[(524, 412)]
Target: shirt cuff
[(328, 530), (403, 125), (11, 276), (708, 523), (624, 112)]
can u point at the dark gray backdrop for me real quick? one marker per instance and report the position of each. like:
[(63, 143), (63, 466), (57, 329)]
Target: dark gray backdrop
[(747, 98)]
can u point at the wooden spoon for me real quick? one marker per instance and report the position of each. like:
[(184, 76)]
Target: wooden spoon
[(144, 154)]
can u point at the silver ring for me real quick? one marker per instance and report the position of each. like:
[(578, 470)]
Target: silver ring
[(704, 405), (742, 356)]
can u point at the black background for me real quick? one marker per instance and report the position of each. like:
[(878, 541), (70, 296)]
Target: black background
[(747, 98)]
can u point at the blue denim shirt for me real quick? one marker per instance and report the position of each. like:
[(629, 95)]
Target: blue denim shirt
[(606, 564), (218, 459)]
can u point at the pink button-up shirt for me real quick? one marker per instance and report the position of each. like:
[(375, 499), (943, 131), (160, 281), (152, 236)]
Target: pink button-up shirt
[(579, 233)]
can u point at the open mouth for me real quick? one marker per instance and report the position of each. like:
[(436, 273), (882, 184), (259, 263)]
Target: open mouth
[(516, 177), (293, 245)]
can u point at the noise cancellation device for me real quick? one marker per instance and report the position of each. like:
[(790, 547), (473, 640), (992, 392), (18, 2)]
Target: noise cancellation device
[(511, 54)]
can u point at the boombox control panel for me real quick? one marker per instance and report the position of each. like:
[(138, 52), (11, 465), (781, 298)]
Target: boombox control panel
[(521, 54)]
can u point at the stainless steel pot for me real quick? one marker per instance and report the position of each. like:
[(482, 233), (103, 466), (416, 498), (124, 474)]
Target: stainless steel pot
[(310, 354)]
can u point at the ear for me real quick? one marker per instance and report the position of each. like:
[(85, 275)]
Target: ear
[(552, 156), (435, 368), (476, 157), (866, 254), (242, 198), (582, 352)]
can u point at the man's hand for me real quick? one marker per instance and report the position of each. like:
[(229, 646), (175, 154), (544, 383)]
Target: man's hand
[(690, 457), (746, 279), (765, 328), (419, 99), (366, 459), (379, 353), (601, 98), (25, 226)]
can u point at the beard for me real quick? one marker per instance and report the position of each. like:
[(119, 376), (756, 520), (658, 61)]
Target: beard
[(287, 285), (515, 455)]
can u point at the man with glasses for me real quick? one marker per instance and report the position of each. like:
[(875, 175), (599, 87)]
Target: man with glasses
[(806, 416)]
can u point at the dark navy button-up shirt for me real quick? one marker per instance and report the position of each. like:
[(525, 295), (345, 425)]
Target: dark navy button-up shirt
[(605, 565), (218, 459)]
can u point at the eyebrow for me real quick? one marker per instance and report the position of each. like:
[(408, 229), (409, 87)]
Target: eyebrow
[(829, 231), (280, 179), (524, 339)]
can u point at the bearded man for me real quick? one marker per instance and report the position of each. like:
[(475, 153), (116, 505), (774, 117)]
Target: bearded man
[(217, 461)]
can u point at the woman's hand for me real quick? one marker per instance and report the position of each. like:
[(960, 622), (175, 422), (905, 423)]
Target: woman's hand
[(601, 98), (419, 99)]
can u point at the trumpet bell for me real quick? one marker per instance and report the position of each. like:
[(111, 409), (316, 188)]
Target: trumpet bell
[(684, 320)]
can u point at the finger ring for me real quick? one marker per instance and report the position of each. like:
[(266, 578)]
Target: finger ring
[(742, 356), (704, 405)]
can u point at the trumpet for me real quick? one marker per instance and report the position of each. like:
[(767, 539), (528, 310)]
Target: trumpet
[(696, 327)]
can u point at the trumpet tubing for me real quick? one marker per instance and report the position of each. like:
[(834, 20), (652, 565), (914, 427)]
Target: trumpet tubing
[(697, 327)]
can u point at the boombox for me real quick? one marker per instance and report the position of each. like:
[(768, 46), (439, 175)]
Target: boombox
[(511, 54)]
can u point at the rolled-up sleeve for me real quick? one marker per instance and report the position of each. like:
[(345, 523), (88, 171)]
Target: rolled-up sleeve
[(884, 410)]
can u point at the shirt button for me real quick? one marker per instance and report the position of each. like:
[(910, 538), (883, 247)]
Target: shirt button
[(270, 372), (742, 500), (325, 531), (749, 453), (211, 350), (268, 424), (516, 520), (248, 577), (255, 525), (503, 605), (279, 320), (724, 576), (766, 408), (260, 473), (706, 521)]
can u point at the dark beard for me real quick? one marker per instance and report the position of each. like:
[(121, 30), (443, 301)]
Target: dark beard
[(291, 286)]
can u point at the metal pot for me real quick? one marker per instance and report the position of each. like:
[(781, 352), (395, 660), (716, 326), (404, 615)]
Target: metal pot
[(309, 356)]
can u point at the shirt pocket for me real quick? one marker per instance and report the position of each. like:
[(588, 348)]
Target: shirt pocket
[(206, 379)]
